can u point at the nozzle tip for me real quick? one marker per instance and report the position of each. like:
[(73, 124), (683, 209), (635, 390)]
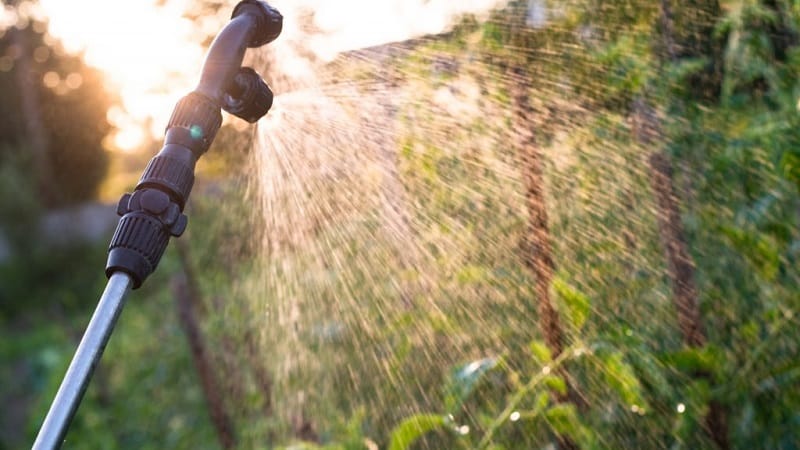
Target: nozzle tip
[(269, 21)]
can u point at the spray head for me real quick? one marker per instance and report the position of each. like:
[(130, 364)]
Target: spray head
[(153, 213), (248, 97), (240, 90), (269, 21)]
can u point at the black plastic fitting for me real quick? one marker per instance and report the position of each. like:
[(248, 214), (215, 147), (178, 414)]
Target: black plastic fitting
[(149, 218), (269, 21), (153, 212), (198, 119)]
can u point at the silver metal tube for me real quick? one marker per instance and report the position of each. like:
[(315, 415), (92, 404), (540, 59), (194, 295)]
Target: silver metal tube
[(94, 340)]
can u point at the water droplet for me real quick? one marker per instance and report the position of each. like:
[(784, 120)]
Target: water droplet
[(635, 408), (514, 416), (546, 370), (472, 367), (681, 408), (463, 429)]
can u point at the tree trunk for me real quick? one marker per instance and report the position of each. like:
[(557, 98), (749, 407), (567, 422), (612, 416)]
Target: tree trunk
[(681, 266), (681, 272), (538, 251), (687, 32), (35, 131)]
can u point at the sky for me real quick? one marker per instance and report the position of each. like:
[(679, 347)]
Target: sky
[(151, 53)]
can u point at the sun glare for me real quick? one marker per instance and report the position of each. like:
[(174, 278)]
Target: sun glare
[(150, 53)]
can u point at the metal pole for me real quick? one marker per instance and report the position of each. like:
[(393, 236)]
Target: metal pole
[(94, 340)]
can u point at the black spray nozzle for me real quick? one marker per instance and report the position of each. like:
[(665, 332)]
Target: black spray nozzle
[(253, 24), (270, 21), (154, 212)]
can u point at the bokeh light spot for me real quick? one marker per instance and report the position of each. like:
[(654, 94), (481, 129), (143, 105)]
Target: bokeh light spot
[(196, 132), (74, 80), (41, 54), (51, 79)]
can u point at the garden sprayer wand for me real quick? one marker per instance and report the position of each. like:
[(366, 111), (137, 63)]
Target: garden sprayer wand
[(154, 211)]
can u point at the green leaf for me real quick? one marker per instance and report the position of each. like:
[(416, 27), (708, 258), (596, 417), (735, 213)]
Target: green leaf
[(681, 70), (556, 383), (708, 360), (413, 428), (577, 304), (541, 402), (760, 250), (563, 418), (652, 371), (621, 378), (541, 354), (790, 163), (471, 274)]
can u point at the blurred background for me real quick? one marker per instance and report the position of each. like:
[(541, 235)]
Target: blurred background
[(479, 224), (84, 104)]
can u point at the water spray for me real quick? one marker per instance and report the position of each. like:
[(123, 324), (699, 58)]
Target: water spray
[(154, 211)]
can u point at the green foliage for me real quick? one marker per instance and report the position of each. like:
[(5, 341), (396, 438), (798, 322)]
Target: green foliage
[(356, 330), (724, 107), (577, 304), (628, 70), (621, 377), (411, 429), (69, 122), (707, 360), (564, 420), (20, 205), (541, 354), (70, 272)]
